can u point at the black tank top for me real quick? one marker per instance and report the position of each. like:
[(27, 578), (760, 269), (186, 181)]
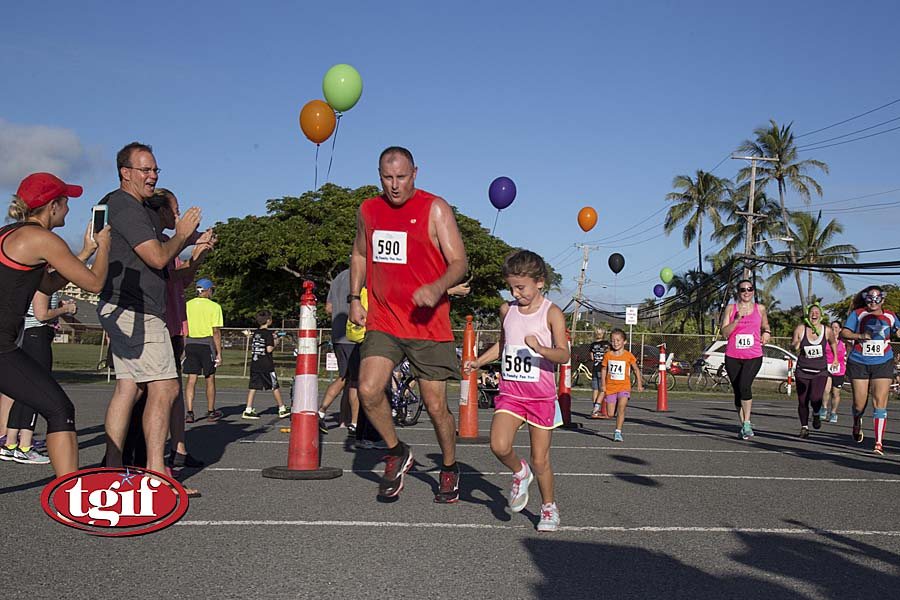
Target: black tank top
[(811, 359), (18, 283)]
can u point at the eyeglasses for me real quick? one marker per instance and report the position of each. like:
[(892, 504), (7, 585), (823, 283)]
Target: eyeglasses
[(146, 170), (874, 299), (745, 289)]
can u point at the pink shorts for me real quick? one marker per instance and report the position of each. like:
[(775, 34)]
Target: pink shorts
[(540, 413), (612, 398)]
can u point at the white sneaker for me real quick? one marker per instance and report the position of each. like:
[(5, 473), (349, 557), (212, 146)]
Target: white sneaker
[(518, 493), (249, 414), (549, 518), (284, 411)]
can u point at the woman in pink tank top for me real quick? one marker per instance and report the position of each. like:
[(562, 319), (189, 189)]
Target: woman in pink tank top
[(746, 326), (532, 342), (836, 375)]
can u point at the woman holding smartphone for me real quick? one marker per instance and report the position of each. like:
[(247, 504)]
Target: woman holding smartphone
[(28, 249)]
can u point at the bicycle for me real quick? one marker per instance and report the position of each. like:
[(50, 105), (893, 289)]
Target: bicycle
[(406, 404), (580, 371), (652, 379), (703, 376)]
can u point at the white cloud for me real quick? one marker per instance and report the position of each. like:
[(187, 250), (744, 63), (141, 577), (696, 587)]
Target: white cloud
[(26, 149)]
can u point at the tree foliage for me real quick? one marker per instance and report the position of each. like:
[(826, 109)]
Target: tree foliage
[(260, 262)]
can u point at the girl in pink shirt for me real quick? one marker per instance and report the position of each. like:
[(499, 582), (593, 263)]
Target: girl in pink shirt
[(533, 341)]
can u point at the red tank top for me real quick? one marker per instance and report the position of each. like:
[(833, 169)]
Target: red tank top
[(400, 258)]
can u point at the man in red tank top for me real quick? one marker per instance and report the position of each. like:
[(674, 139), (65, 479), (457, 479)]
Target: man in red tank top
[(409, 252)]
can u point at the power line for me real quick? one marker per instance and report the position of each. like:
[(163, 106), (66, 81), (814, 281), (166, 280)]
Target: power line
[(868, 112), (862, 137), (849, 134)]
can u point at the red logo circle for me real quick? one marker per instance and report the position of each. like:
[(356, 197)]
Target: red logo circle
[(115, 502)]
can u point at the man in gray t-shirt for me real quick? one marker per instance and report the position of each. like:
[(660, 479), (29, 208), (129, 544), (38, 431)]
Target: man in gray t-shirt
[(347, 352), (132, 306)]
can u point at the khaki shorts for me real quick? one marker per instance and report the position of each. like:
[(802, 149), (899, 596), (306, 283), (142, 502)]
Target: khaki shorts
[(140, 344), (431, 361)]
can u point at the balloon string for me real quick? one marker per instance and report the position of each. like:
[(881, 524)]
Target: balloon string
[(316, 180), (495, 222), (333, 142)]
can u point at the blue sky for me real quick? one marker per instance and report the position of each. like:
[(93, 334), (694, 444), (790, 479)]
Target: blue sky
[(580, 103)]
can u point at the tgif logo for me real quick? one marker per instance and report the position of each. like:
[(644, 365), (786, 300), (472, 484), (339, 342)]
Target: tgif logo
[(115, 502)]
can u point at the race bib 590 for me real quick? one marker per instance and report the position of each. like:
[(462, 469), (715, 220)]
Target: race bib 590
[(389, 247)]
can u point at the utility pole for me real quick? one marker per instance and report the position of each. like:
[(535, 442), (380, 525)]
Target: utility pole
[(750, 215), (585, 252)]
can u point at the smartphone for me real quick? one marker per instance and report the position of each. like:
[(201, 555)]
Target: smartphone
[(98, 218)]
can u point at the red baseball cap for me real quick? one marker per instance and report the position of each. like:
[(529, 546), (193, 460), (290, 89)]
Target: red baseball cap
[(38, 189)]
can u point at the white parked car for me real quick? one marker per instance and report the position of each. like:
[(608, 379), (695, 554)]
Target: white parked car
[(774, 364)]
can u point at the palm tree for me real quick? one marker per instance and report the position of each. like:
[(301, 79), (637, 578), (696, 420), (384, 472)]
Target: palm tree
[(696, 200), (733, 231), (812, 247), (697, 292), (778, 142)]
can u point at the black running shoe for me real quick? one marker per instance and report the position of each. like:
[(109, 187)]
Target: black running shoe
[(817, 421), (857, 430), (448, 493), (395, 469), (322, 426), (804, 432), (176, 459)]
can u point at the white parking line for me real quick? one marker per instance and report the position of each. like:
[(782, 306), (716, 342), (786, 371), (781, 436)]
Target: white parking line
[(619, 474), (618, 448), (406, 525)]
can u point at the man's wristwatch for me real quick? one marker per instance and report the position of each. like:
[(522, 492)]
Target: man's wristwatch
[(352, 297)]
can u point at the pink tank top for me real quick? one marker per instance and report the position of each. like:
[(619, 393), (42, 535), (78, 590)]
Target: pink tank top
[(744, 341), (842, 358), (525, 374)]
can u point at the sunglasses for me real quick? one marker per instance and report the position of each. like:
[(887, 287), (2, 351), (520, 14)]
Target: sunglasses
[(745, 289), (874, 299)]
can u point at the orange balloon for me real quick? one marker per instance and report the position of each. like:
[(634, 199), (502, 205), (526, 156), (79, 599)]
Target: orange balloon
[(587, 218), (317, 121)]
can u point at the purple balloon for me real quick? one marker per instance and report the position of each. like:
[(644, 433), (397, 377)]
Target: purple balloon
[(502, 192), (659, 290)]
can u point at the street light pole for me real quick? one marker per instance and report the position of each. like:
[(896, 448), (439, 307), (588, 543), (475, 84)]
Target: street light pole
[(750, 215)]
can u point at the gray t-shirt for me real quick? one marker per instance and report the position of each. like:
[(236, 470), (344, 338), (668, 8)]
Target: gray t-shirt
[(340, 309), (130, 282)]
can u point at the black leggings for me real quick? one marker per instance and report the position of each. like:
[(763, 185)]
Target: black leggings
[(38, 344), (25, 380), (810, 391), (741, 373)]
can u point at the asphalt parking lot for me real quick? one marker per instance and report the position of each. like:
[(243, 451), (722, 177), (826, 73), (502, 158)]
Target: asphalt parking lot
[(681, 509)]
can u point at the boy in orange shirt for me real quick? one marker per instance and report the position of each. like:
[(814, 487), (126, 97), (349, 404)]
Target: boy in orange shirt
[(615, 379)]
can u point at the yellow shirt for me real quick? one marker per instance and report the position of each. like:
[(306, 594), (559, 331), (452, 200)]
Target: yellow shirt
[(203, 315)]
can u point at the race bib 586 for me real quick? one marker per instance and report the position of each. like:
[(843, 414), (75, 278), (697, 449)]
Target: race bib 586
[(520, 363)]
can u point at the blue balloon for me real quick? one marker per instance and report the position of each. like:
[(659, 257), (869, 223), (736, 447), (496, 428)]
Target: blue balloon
[(502, 192), (659, 290)]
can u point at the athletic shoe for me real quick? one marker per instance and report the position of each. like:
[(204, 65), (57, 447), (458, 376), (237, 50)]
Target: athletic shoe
[(395, 470), (832, 418), (189, 417), (39, 444), (214, 415), (817, 421), (351, 429), (32, 457), (323, 428), (549, 518), (284, 411), (369, 445), (596, 415), (6, 453), (750, 429), (804, 432), (822, 413), (448, 492), (178, 460), (250, 414), (518, 493), (879, 449), (617, 436), (858, 435), (746, 431)]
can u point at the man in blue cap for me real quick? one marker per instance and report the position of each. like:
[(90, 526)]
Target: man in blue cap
[(203, 348)]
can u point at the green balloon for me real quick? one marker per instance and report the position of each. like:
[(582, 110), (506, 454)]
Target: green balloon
[(342, 86), (666, 275)]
